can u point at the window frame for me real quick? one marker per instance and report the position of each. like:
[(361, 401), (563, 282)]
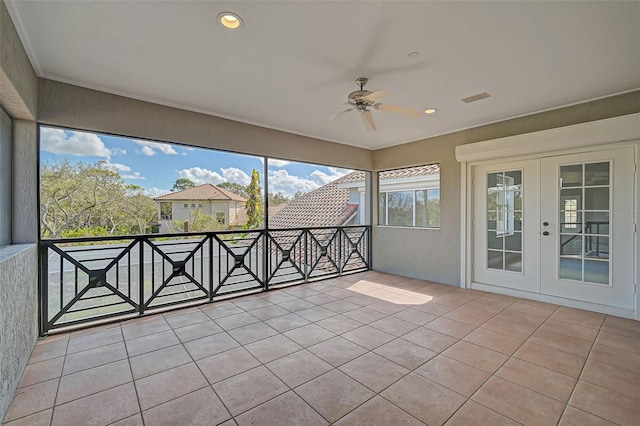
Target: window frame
[(163, 214), (426, 183)]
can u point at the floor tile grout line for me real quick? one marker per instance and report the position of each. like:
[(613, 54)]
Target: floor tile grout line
[(133, 381), (386, 315), (580, 375), (205, 378), (53, 408), (495, 411), (532, 390), (509, 357)]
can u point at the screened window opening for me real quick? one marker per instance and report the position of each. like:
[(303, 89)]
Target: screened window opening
[(410, 197)]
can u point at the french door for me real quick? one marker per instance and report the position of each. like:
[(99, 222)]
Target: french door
[(561, 226)]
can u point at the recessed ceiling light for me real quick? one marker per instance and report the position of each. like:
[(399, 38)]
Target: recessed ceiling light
[(430, 111), (230, 20), (413, 54)]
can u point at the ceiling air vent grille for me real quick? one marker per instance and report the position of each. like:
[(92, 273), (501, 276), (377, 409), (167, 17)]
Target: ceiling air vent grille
[(475, 98)]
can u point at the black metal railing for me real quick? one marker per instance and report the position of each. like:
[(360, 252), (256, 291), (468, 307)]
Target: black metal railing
[(95, 278)]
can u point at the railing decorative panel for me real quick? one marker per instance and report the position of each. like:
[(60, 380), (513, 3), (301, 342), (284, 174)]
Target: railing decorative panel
[(89, 279)]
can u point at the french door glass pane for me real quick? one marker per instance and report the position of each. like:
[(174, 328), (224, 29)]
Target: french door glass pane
[(596, 247), (596, 223), (571, 269), (494, 259), (596, 174), (505, 201), (570, 245), (570, 221), (596, 272), (596, 198), (513, 262), (584, 222), (493, 241), (571, 176), (513, 242)]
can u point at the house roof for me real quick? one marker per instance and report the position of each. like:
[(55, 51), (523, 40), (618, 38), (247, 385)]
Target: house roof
[(329, 205), (430, 169), (325, 206), (206, 191)]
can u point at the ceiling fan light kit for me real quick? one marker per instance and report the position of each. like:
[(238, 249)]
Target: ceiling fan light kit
[(361, 100)]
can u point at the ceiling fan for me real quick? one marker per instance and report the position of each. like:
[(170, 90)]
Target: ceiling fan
[(361, 100)]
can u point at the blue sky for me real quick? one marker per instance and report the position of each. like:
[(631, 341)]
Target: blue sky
[(156, 166)]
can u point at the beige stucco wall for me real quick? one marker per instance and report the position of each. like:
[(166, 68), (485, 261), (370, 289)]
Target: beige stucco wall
[(62, 104), (18, 81), (435, 254), (423, 253), (18, 262)]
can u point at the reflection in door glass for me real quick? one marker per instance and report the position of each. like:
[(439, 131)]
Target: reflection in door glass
[(584, 222), (505, 200)]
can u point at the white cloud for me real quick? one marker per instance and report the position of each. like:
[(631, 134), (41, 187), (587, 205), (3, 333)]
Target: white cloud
[(156, 192), (152, 148), (135, 176), (278, 163), (199, 176), (324, 178), (76, 143), (118, 151), (288, 185), (147, 151), (236, 176), (114, 167)]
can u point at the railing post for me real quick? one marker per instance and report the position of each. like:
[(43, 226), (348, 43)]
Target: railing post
[(266, 258), (265, 249), (141, 276), (211, 268), (340, 254), (43, 282), (306, 256)]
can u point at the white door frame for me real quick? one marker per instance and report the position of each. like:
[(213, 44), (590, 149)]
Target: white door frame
[(586, 137)]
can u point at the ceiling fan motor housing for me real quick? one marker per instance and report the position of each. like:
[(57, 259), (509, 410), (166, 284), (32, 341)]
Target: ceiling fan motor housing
[(357, 98)]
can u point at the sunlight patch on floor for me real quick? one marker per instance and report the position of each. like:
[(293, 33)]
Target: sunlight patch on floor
[(389, 293)]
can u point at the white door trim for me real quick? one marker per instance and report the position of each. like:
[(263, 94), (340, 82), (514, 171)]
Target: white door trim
[(593, 136)]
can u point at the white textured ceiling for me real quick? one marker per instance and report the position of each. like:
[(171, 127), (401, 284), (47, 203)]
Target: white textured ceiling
[(293, 63)]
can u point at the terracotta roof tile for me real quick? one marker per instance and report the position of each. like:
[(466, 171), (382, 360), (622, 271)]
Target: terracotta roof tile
[(329, 204), (206, 191), (431, 169), (325, 206)]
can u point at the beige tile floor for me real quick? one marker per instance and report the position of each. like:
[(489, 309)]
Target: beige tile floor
[(366, 349)]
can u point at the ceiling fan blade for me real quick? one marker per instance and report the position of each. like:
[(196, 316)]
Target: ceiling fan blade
[(399, 109), (378, 94), (333, 117), (367, 119)]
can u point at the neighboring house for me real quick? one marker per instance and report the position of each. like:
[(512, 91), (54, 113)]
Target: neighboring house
[(404, 196), (226, 207)]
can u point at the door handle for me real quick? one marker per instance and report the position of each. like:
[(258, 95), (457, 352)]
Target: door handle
[(545, 223), (545, 233)]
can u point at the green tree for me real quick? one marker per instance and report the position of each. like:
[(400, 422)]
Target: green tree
[(255, 202), (89, 199), (277, 199), (236, 188), (199, 222), (181, 184)]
